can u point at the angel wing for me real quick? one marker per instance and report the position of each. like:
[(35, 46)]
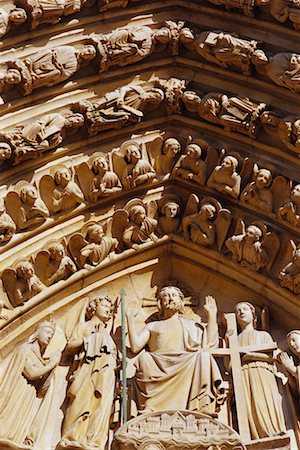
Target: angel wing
[(118, 164), (281, 190), (154, 148), (14, 208), (222, 224), (76, 243), (271, 245), (240, 227), (41, 262), (246, 172), (212, 159), (152, 209), (119, 223), (46, 188), (192, 205), (286, 256), (85, 178), (9, 280)]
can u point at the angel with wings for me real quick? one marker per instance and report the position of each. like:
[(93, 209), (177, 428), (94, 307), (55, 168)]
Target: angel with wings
[(21, 283), (169, 221), (205, 221), (190, 166), (290, 274), (51, 264), (135, 223), (7, 226), (252, 246), (24, 206), (60, 191), (96, 179), (258, 193), (289, 209), (92, 245), (165, 160)]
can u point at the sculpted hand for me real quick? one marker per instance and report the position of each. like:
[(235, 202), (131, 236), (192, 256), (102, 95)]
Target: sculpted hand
[(132, 310), (287, 362), (210, 305)]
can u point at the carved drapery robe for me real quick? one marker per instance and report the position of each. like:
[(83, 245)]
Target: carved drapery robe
[(192, 374)]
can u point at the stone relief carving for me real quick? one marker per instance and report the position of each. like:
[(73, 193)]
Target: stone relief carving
[(254, 247), (263, 401), (92, 382), (7, 226), (169, 221), (225, 179), (190, 166), (51, 264), (92, 245), (205, 221), (135, 223), (20, 282), (195, 373), (293, 340), (289, 207), (59, 191), (165, 161), (27, 386), (25, 206), (258, 193), (46, 68), (286, 128), (12, 17), (290, 274)]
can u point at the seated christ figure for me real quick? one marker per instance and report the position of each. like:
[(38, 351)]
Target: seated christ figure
[(176, 372)]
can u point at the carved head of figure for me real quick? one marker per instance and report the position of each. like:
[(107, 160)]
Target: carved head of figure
[(293, 339), (12, 76), (171, 148), (154, 96), (137, 214), (133, 153), (207, 211), (56, 251), (87, 53), (191, 101), (18, 16), (28, 194), (170, 301), (209, 106), (95, 233), (100, 165), (229, 164), (193, 151), (163, 35), (25, 270), (295, 194), (253, 234), (259, 58), (5, 151), (263, 179), (186, 36), (100, 306), (62, 176), (73, 121), (44, 332), (170, 209), (245, 314)]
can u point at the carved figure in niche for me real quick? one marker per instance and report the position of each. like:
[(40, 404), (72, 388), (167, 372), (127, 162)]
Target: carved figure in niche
[(226, 50), (293, 340), (21, 283), (51, 264), (263, 401), (119, 107), (46, 68), (290, 210), (135, 223), (91, 391), (92, 245), (235, 114), (258, 193), (49, 11), (27, 390), (173, 89), (287, 128), (30, 140), (290, 275), (164, 162), (283, 10), (189, 369), (205, 221), (59, 190), (25, 207), (282, 68), (128, 45), (225, 179), (138, 170), (96, 179), (14, 17), (190, 166), (169, 221), (254, 248), (7, 226)]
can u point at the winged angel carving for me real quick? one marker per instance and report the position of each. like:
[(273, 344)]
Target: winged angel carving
[(289, 275)]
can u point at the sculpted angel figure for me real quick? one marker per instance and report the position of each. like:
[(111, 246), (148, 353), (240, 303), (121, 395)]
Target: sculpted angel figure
[(176, 357), (21, 283), (59, 190), (138, 170), (92, 383), (293, 370), (135, 223), (13, 17), (169, 221), (25, 207), (164, 162), (27, 390), (190, 166), (290, 210), (290, 275), (205, 221), (225, 179), (92, 245), (51, 264), (7, 226), (46, 68), (258, 193), (262, 397), (253, 248), (96, 179)]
